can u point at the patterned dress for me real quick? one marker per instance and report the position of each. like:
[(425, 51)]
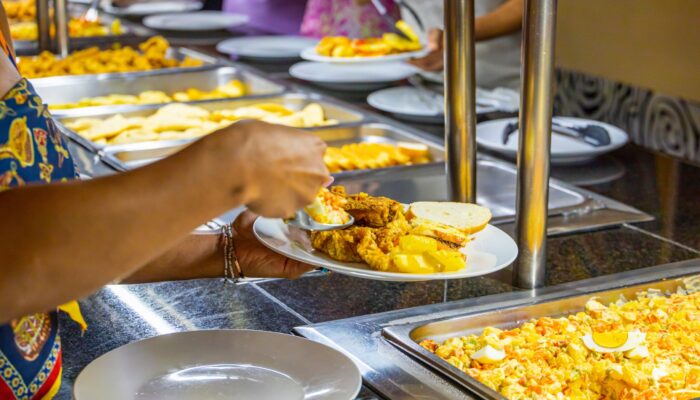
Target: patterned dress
[(345, 18), (32, 150)]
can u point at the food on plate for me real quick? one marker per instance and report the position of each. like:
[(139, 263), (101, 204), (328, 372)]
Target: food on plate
[(327, 208), (182, 121), (389, 43), (645, 348), (152, 54), (234, 88), (374, 155), (27, 30), (448, 222), (386, 240)]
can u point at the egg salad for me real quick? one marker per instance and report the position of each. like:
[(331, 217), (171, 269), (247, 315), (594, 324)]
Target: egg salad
[(643, 349)]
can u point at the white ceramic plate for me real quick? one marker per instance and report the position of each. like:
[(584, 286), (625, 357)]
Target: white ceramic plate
[(218, 365), (195, 22), (351, 76), (564, 150), (150, 8), (491, 250), (310, 54), (405, 102), (266, 48)]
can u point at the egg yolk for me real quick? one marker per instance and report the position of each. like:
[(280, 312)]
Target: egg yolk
[(611, 339)]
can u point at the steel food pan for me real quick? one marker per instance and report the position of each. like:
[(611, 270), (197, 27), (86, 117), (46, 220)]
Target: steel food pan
[(179, 53), (407, 336), (130, 156), (71, 90), (294, 101)]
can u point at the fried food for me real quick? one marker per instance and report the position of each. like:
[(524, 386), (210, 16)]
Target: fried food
[(152, 54), (20, 10), (647, 348), (234, 88), (27, 30), (374, 155), (182, 121), (383, 239), (327, 208), (389, 43)]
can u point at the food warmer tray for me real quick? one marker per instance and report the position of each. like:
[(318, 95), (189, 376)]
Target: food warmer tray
[(384, 345), (72, 89), (133, 34), (294, 101), (130, 156), (179, 53)]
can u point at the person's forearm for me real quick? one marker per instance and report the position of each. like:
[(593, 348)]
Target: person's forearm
[(502, 21), (67, 240), (197, 256)]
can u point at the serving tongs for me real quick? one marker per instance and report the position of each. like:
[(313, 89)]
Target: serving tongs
[(594, 135), (390, 21), (303, 220)]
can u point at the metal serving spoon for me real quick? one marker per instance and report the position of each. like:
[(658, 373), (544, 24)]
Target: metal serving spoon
[(303, 220)]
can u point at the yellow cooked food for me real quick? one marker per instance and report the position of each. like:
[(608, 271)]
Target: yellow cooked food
[(643, 349), (374, 155), (389, 43), (151, 55), (20, 10), (182, 121), (27, 30), (234, 88)]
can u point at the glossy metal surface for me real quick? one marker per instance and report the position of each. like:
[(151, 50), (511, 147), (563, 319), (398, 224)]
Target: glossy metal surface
[(61, 18), (536, 102), (396, 375), (43, 23), (460, 100), (74, 88)]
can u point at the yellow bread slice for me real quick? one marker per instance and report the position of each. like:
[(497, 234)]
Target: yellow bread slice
[(462, 217)]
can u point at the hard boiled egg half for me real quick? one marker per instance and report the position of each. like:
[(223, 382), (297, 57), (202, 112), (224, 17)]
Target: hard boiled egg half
[(610, 342)]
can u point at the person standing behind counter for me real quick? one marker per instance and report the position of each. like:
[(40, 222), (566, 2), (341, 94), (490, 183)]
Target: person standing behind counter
[(497, 32)]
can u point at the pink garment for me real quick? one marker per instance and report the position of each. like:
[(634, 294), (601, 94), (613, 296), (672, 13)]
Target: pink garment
[(345, 18), (271, 16)]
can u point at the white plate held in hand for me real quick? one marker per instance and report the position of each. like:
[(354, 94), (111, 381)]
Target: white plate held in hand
[(351, 76), (311, 55), (489, 251), (220, 365)]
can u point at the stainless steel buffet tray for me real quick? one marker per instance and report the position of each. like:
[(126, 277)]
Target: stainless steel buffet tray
[(408, 336), (130, 156), (179, 53), (74, 88), (395, 372), (295, 101)]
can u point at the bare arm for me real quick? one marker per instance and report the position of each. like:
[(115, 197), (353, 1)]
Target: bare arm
[(63, 241)]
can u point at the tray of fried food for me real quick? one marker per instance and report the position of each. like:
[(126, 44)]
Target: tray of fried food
[(71, 96), (390, 239), (636, 342), (178, 121), (77, 28), (152, 54)]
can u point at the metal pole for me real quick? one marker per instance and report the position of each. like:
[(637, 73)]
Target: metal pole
[(61, 20), (43, 23), (460, 100), (533, 149)]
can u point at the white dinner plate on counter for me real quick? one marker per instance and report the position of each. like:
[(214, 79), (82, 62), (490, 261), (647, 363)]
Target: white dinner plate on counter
[(266, 48), (150, 8), (201, 21), (489, 251), (407, 103), (220, 364), (360, 77), (564, 150), (310, 54)]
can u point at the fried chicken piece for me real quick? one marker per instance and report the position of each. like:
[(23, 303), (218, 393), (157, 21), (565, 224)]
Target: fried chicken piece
[(339, 244), (375, 212)]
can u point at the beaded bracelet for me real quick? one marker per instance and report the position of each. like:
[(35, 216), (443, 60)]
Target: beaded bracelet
[(232, 268)]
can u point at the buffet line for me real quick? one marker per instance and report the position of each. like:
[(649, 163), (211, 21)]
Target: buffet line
[(129, 117)]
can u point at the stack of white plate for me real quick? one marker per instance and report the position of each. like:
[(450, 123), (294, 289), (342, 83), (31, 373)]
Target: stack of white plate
[(266, 48), (358, 77), (202, 21)]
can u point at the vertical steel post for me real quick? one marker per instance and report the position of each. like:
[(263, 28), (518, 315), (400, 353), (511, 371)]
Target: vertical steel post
[(61, 20), (536, 104), (460, 100), (43, 23)]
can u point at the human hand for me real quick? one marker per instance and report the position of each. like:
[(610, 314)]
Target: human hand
[(282, 167), (257, 260), (434, 60)]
